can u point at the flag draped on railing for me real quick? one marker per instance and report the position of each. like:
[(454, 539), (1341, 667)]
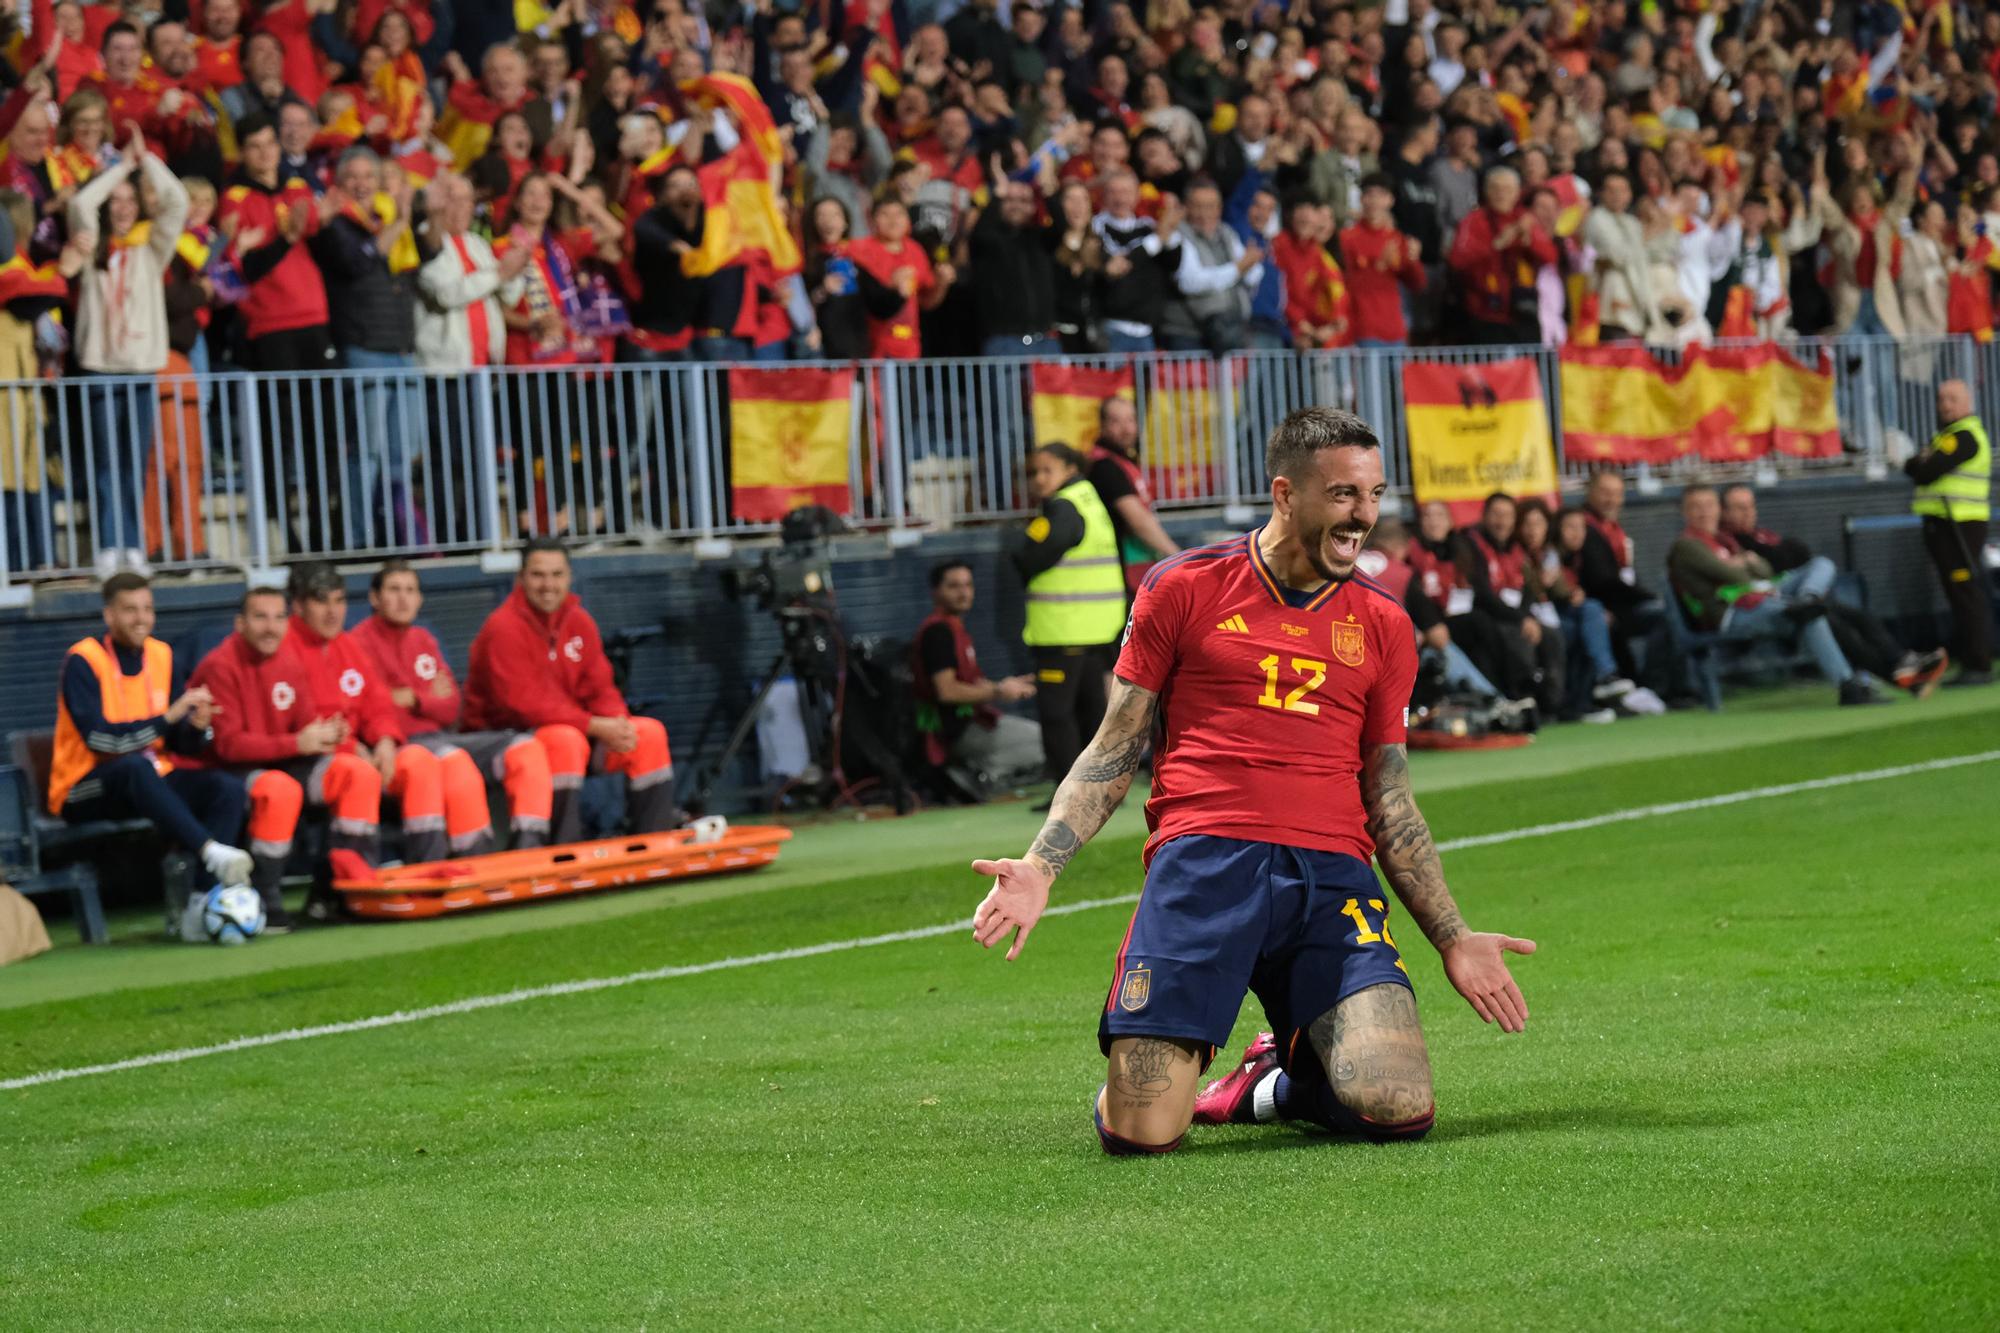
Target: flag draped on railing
[(1066, 398), (1477, 429), (1723, 404), (788, 433)]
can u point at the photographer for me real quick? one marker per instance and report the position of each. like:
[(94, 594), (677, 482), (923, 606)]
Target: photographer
[(955, 698), (1076, 600)]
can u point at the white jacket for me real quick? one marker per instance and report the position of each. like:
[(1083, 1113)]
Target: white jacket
[(121, 305), (444, 291)]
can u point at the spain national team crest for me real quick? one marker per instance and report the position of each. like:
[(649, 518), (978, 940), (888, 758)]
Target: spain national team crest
[(1350, 644), (1137, 989)]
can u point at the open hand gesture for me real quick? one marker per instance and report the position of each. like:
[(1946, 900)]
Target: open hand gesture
[(1477, 970), (1019, 896)]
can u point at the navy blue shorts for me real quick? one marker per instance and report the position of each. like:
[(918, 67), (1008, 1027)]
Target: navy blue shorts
[(1218, 916)]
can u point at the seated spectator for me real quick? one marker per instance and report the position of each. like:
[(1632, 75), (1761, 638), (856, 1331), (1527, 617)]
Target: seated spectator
[(121, 329), (1381, 264), (1209, 309), (410, 664), (955, 698), (1726, 590), (1532, 655), (538, 665), (1559, 604), (1865, 640), (116, 738), (1603, 567), (1387, 563)]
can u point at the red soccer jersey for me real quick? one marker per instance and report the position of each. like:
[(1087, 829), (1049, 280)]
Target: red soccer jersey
[(1268, 707)]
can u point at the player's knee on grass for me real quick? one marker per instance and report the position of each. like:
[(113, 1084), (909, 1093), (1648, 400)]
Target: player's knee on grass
[(1148, 1097), (1378, 1070)]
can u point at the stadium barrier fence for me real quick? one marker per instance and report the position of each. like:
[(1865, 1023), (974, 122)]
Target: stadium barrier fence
[(237, 470)]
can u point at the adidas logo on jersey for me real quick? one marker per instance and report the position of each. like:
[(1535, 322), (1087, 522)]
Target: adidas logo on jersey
[(1234, 625)]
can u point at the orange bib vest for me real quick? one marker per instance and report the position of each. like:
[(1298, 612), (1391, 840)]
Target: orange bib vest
[(126, 699)]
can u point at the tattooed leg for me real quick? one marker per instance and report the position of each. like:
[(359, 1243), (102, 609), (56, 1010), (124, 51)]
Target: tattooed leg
[(1377, 1068), (1148, 1097)]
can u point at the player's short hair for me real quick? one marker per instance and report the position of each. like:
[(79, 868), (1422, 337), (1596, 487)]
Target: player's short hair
[(397, 565), (536, 544), (1300, 436), (942, 570), (252, 593), (1062, 453), (125, 580), (313, 580), (1695, 488)]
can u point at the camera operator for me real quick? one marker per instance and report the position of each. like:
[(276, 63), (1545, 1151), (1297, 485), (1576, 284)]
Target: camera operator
[(956, 712), (1076, 600)]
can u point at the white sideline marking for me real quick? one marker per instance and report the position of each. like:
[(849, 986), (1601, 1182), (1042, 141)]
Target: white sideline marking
[(589, 984)]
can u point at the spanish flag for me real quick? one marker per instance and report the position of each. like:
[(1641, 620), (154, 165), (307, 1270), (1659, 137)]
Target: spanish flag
[(1477, 429), (1725, 404), (1065, 400), (739, 191), (1180, 429), (788, 436)]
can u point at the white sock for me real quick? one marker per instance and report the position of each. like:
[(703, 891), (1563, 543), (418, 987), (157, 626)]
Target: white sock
[(1264, 1097), (229, 865)]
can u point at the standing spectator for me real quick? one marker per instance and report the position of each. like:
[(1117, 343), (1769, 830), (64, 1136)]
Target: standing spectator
[(261, 92), (1076, 601), (1013, 278), (849, 161), (842, 296), (1626, 309), (283, 320), (1219, 271), (1455, 178), (1183, 131), (669, 301), (955, 698), (473, 107), (977, 38), (1382, 263), (177, 471), (122, 330), (1496, 245), (1316, 298), (30, 294), (218, 51), (1334, 177), (1954, 478), (1970, 303), (1244, 147), (1079, 261), (1923, 288), (1258, 225), (1120, 481), (365, 254), (299, 158), (1141, 258), (891, 258), (83, 140)]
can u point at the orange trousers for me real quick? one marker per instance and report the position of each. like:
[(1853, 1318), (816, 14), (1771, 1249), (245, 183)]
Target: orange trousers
[(649, 777), (177, 468)]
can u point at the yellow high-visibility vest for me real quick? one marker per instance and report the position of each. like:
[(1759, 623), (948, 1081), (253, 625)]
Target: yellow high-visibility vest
[(1966, 492), (1081, 598)]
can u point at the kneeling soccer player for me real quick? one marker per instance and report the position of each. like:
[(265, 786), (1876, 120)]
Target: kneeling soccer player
[(1279, 676)]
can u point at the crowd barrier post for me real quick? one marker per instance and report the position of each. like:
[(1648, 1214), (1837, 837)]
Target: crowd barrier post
[(252, 428)]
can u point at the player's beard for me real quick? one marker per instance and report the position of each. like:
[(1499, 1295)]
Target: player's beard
[(1328, 559)]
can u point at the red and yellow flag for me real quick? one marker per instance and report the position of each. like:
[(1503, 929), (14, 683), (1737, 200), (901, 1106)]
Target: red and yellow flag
[(788, 437), (1477, 429), (739, 190), (1065, 400), (1724, 404), (1180, 429)]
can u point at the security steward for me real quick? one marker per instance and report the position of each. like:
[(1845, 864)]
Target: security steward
[(1954, 479), (1076, 601)]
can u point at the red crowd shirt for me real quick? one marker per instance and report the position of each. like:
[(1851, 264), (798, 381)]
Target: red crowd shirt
[(218, 65), (341, 673), (1488, 276), (410, 659), (289, 294), (897, 337), (1378, 266), (1268, 707), (530, 670), (290, 21)]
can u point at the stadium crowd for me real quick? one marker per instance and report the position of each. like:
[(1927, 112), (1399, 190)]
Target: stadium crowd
[(390, 185)]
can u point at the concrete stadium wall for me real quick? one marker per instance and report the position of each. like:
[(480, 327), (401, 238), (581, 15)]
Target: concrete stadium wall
[(715, 648)]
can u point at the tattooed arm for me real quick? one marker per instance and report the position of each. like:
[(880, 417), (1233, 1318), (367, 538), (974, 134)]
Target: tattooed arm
[(1409, 860), (1096, 784)]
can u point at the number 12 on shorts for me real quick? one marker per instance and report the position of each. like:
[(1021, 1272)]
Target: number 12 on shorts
[(1363, 933)]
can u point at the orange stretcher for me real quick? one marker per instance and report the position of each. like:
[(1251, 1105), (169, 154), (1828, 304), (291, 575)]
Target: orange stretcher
[(500, 878)]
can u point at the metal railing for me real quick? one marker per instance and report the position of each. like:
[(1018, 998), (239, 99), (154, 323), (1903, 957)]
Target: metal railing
[(237, 470)]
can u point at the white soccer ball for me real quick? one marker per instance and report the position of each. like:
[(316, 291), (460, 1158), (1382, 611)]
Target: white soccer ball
[(232, 915)]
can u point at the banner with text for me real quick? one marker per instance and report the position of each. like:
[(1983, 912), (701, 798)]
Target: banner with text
[(1620, 404), (1477, 429)]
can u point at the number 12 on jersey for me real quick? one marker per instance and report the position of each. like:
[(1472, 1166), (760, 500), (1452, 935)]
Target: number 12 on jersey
[(1295, 701)]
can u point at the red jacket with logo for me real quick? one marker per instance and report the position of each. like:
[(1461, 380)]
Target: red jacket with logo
[(266, 701), (410, 659), (530, 670), (343, 674)]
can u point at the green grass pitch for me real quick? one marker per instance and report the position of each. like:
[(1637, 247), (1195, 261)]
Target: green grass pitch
[(1757, 1089)]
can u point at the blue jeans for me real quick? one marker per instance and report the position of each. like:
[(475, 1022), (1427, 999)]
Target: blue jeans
[(1814, 578), (379, 458), (1460, 674), (1379, 342), (121, 436), (1767, 620), (720, 349), (1126, 342), (768, 352), (1008, 344), (1588, 631)]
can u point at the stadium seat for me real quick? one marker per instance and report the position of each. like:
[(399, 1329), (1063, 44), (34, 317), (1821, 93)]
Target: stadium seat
[(21, 858), (31, 753)]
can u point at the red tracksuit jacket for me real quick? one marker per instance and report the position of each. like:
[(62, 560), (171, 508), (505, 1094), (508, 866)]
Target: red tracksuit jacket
[(267, 701), (530, 670), (286, 290), (341, 673), (410, 659)]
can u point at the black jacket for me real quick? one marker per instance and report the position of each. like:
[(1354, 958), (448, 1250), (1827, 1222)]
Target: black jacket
[(668, 298), (1013, 278), (368, 307)]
